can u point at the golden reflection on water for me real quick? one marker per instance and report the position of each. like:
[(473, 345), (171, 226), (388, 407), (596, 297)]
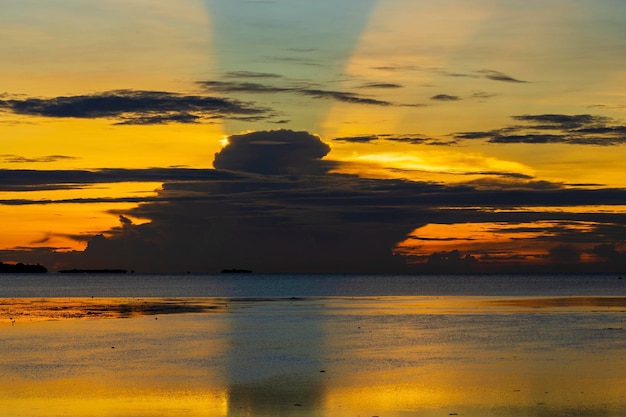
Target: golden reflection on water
[(327, 357), (112, 404)]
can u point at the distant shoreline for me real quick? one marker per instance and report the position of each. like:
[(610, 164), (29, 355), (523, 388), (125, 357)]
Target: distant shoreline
[(93, 271)]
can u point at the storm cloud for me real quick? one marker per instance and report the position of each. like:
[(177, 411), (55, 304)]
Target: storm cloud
[(274, 152), (273, 204)]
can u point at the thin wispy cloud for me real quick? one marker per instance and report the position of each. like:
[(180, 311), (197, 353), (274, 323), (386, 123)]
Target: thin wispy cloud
[(488, 74), (248, 87), (413, 139), (251, 74), (19, 159)]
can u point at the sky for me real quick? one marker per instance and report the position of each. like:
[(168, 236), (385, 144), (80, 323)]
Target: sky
[(366, 136)]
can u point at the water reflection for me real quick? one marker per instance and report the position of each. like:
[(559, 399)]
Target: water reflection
[(328, 357)]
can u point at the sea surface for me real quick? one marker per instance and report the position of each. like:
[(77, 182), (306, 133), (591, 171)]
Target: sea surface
[(312, 345), (303, 285)]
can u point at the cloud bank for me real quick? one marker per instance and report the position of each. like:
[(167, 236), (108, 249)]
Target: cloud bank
[(273, 205)]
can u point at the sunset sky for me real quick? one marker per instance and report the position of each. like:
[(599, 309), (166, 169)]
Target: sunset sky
[(325, 136)]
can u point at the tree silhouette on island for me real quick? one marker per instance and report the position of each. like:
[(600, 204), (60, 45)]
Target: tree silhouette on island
[(22, 268)]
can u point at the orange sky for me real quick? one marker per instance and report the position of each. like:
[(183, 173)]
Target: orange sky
[(451, 123)]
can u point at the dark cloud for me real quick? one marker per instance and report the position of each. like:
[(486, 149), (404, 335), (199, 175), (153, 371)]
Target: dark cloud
[(247, 87), (451, 262), (488, 74), (162, 119), (445, 97), (381, 85), (243, 87), (343, 96), (294, 60), (413, 139), (457, 74), (274, 152), (251, 74), (399, 68), (135, 107), (304, 50), (273, 206), (529, 138), (18, 159), (77, 200), (581, 129), (38, 180), (516, 175), (417, 139), (499, 76), (482, 95), (562, 121), (358, 139), (475, 135), (331, 223)]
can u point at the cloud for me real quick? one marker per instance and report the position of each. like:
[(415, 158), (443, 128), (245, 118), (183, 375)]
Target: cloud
[(488, 74), (581, 129), (274, 152), (413, 139), (562, 121), (483, 95), (43, 180), (499, 76), (323, 223), (451, 261), (251, 74), (343, 96), (274, 205), (136, 107), (358, 139), (294, 60), (381, 85), (445, 97), (332, 223), (248, 87), (18, 159)]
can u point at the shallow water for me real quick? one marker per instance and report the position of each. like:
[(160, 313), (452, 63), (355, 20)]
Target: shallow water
[(320, 356)]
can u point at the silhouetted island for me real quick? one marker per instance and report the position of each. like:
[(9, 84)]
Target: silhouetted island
[(236, 271), (22, 268), (93, 271)]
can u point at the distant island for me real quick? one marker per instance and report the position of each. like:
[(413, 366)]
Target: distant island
[(20, 268), (236, 271), (93, 271)]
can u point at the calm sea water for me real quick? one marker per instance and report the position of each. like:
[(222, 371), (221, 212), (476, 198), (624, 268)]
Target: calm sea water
[(285, 285), (345, 346)]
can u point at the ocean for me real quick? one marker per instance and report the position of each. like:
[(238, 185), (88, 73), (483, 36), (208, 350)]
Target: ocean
[(304, 285), (312, 345)]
